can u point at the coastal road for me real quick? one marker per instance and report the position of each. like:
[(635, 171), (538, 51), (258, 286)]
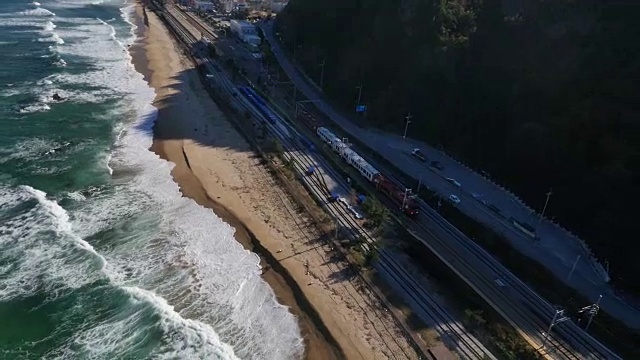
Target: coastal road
[(517, 303), (522, 307), (555, 249), (302, 158)]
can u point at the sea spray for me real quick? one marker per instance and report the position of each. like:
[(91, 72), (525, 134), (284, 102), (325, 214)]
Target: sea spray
[(97, 244)]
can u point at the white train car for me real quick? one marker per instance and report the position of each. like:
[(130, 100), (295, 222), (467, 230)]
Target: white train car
[(350, 156), (330, 138), (326, 135), (360, 164)]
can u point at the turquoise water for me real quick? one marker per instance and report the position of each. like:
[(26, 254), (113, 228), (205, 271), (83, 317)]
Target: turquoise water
[(100, 257)]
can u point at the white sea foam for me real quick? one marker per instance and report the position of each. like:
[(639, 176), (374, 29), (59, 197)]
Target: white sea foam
[(42, 248), (45, 254), (49, 26), (29, 149), (173, 257), (60, 63), (37, 12), (34, 108), (53, 37)]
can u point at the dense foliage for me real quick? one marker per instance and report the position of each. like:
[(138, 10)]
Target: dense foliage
[(539, 93)]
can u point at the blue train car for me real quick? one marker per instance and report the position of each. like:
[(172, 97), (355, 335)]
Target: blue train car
[(306, 143), (259, 103)]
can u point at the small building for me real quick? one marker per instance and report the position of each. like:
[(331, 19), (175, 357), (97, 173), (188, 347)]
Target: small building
[(204, 5), (253, 40), (277, 6), (241, 5), (245, 31), (227, 6)]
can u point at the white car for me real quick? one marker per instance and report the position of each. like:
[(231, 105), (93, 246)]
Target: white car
[(454, 199), (343, 201), (355, 213), (453, 181)]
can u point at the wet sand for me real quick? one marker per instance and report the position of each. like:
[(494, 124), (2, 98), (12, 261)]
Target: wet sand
[(338, 316), (167, 144)]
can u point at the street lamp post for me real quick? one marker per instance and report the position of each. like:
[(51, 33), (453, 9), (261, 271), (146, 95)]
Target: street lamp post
[(406, 126), (573, 268), (545, 206), (404, 199), (593, 310), (322, 74), (554, 321), (359, 87)]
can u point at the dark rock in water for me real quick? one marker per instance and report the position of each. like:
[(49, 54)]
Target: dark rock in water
[(57, 97)]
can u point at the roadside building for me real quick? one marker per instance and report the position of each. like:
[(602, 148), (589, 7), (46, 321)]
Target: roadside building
[(277, 6), (245, 31), (227, 6), (241, 6), (204, 6)]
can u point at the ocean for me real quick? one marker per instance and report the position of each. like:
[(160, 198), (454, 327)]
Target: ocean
[(100, 256)]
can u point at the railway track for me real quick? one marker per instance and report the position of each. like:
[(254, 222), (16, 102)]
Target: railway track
[(556, 346), (468, 347), (301, 163), (567, 340), (527, 309)]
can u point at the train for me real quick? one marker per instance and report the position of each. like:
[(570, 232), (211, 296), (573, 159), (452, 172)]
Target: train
[(402, 197), (259, 103), (265, 110)]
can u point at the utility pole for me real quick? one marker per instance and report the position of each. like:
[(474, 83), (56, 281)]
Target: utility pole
[(406, 126), (573, 268), (545, 205), (359, 87), (298, 103), (419, 183), (554, 321), (593, 310), (404, 199), (322, 74)]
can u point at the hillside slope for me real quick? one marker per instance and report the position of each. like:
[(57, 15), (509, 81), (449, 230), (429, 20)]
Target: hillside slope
[(540, 94)]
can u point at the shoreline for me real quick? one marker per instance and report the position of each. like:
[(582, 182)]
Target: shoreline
[(318, 340)]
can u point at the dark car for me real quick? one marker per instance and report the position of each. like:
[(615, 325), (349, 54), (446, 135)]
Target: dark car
[(437, 165)]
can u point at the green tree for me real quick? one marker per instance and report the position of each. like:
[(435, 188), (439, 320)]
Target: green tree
[(377, 213), (371, 256), (538, 95)]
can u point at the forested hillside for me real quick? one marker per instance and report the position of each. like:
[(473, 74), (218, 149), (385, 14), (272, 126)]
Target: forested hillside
[(540, 94)]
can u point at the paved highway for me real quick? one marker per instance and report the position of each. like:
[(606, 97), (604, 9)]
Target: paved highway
[(526, 311), (319, 183), (554, 249)]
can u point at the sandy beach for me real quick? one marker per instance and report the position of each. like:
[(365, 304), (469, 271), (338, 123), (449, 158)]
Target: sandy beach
[(338, 316)]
